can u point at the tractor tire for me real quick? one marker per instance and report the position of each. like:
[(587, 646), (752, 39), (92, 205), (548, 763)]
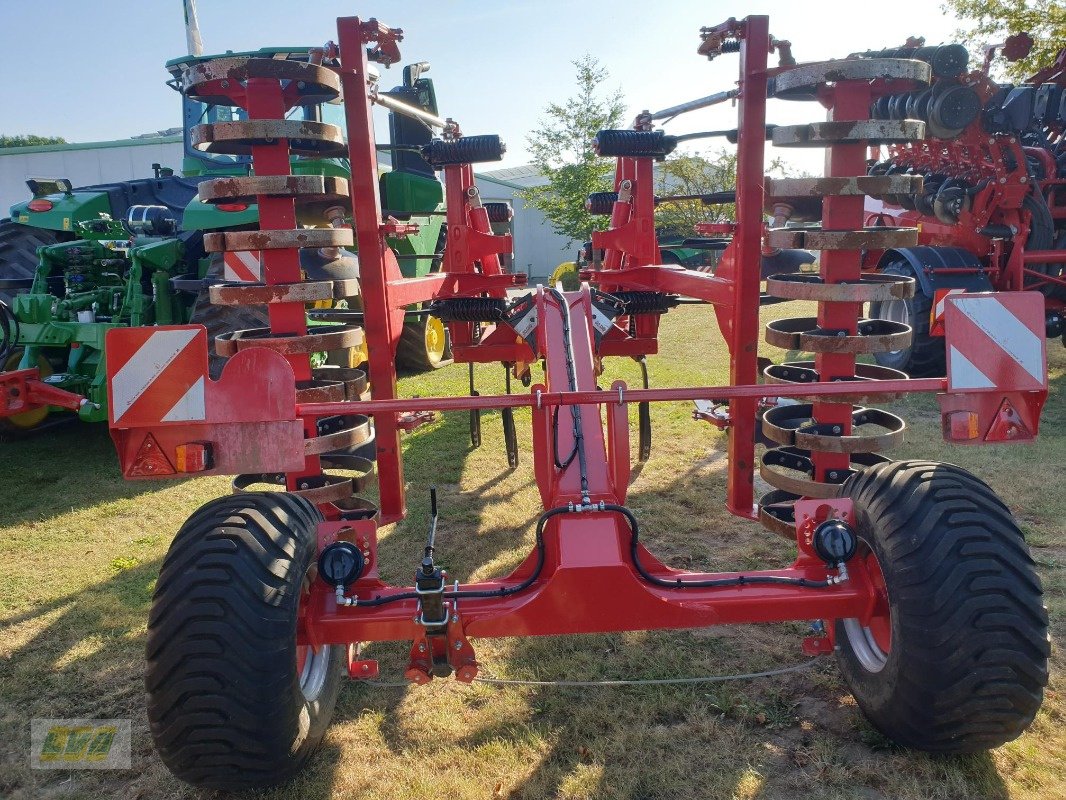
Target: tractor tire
[(424, 345), (18, 252), (233, 702), (956, 661), (926, 356), (220, 319)]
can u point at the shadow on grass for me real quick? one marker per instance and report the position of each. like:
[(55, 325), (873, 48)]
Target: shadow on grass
[(63, 468)]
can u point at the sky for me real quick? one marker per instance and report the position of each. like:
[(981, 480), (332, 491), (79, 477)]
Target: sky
[(90, 71)]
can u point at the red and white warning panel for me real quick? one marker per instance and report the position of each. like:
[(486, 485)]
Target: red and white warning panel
[(936, 313), (168, 416), (996, 341), (997, 366), (242, 265)]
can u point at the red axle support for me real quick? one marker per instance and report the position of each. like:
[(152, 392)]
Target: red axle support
[(23, 390)]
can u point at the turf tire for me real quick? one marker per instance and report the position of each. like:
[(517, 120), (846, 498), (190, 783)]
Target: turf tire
[(225, 703), (967, 664)]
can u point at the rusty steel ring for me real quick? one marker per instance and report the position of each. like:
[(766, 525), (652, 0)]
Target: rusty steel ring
[(866, 378), (318, 489), (803, 333), (277, 239), (797, 460), (814, 238), (795, 426), (777, 513), (313, 83), (258, 294), (325, 337), (354, 380), (873, 185), (871, 287), (803, 81), (363, 466), (237, 138), (355, 507), (319, 390), (316, 188), (825, 134), (354, 429)]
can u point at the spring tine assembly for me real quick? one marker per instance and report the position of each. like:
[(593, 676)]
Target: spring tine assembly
[(824, 442), (510, 435), (267, 89)]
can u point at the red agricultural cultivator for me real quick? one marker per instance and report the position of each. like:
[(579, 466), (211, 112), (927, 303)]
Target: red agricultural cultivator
[(917, 569)]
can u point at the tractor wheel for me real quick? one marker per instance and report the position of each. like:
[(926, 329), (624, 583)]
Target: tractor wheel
[(926, 355), (424, 344), (27, 420), (233, 702), (220, 319), (18, 252), (955, 658)]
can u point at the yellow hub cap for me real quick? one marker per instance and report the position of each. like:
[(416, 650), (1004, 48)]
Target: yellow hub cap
[(436, 338), (28, 419)]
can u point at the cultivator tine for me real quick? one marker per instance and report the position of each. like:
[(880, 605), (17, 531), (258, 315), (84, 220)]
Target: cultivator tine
[(475, 413), (644, 416), (510, 436)]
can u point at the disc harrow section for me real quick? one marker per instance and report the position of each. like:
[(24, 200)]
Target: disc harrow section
[(824, 442), (267, 90)]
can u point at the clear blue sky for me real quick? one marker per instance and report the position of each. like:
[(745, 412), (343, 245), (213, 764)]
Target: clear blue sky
[(94, 70)]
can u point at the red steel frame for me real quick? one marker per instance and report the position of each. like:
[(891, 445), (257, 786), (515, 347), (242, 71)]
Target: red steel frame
[(582, 577)]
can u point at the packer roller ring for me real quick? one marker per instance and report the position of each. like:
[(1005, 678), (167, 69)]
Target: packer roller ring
[(866, 375), (235, 293), (804, 81), (824, 134), (803, 334), (278, 239), (798, 460), (795, 426), (237, 138), (815, 237), (325, 337), (307, 84), (872, 287), (247, 189)]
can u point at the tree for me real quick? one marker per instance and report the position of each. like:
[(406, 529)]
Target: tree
[(29, 140), (562, 151), (991, 21)]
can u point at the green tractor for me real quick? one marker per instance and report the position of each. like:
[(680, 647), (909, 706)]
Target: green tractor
[(75, 262)]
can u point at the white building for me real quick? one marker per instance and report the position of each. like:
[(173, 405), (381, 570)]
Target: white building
[(538, 250)]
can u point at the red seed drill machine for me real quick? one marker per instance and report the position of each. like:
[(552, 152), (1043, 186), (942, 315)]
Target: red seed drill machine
[(917, 569)]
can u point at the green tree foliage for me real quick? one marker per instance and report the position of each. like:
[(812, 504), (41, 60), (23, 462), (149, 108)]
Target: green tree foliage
[(29, 140), (991, 21), (561, 150)]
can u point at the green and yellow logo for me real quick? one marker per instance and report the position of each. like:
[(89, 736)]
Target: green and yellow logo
[(81, 743)]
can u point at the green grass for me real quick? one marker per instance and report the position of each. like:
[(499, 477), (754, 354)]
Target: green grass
[(80, 548)]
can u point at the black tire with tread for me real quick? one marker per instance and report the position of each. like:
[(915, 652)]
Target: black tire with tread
[(968, 660), (411, 352), (926, 357), (18, 251), (225, 706)]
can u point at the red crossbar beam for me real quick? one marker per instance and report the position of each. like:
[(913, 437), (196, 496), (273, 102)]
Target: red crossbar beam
[(439, 285), (543, 398)]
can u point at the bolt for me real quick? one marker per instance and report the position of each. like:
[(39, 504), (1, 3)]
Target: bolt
[(366, 668), (422, 648), (225, 84), (458, 645)]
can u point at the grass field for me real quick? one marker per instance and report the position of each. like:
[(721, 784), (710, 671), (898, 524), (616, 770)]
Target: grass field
[(80, 549)]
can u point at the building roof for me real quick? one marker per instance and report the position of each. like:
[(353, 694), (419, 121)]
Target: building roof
[(59, 148)]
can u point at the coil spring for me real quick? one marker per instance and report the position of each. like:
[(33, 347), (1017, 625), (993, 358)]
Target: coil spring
[(634, 144), (466, 150), (601, 203), (634, 303), (731, 46), (499, 212), (469, 309)]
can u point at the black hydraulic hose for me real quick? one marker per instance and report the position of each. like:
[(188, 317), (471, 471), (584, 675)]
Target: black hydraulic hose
[(678, 583), (9, 333)]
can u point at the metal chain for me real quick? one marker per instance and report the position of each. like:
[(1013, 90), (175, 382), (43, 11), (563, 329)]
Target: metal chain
[(743, 676)]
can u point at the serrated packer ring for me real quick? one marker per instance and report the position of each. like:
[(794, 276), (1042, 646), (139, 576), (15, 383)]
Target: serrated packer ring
[(777, 513), (795, 426), (297, 238), (797, 460), (795, 373), (354, 379), (318, 489), (815, 238), (803, 333), (303, 137), (872, 185), (826, 134), (871, 287), (801, 81), (313, 83), (258, 294), (319, 390), (248, 189), (325, 337), (356, 430)]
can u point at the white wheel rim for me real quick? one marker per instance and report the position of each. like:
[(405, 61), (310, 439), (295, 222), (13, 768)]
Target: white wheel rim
[(895, 311), (313, 675)]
